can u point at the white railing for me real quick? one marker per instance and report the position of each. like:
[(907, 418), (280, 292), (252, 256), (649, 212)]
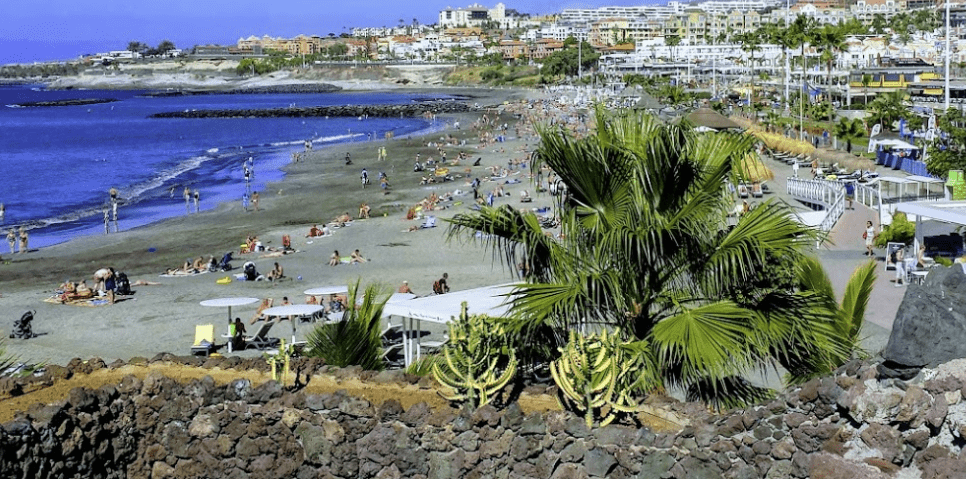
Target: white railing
[(830, 194), (867, 195), (833, 213), (823, 192)]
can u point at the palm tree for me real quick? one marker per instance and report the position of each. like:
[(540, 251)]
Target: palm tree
[(866, 81), (831, 40), (355, 339), (802, 30), (848, 130), (750, 42), (644, 251), (888, 108)]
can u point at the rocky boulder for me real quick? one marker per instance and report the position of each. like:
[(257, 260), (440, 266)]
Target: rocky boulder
[(930, 325)]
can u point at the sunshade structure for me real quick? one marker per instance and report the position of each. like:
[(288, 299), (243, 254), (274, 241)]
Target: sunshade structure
[(441, 308), (647, 102), (321, 291), (953, 212), (753, 170), (289, 310), (896, 144), (708, 118), (228, 302)]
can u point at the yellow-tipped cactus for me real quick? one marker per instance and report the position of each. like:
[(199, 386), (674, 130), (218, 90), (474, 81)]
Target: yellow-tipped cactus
[(475, 362), (595, 378), (283, 359)]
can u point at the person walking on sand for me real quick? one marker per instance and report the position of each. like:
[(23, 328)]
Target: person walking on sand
[(3, 212), (197, 201), (255, 200), (365, 177), (245, 201), (107, 222), (23, 240), (12, 240), (187, 199)]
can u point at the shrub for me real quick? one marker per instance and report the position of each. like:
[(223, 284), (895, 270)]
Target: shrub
[(355, 340), (900, 231)]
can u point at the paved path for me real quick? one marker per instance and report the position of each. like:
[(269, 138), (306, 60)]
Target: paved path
[(843, 254)]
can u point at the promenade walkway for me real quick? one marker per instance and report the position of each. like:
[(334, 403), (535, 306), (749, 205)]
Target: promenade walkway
[(843, 254)]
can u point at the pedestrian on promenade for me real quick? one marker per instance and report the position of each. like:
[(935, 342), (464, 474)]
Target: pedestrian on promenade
[(850, 193), (869, 237)]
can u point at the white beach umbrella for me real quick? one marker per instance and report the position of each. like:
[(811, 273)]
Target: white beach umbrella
[(228, 302)]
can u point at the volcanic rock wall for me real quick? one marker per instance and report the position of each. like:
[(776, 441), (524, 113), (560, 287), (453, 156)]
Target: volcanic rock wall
[(848, 426)]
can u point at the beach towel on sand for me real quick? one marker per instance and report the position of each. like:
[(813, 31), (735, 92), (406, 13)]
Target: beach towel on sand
[(182, 274)]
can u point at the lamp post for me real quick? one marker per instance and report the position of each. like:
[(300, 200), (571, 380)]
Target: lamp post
[(787, 66), (947, 55)]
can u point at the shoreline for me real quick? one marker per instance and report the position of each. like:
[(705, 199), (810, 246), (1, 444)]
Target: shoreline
[(313, 191)]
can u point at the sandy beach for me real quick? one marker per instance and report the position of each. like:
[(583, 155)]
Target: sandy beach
[(162, 318)]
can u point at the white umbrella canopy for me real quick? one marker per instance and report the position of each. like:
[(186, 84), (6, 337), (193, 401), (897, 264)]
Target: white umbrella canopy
[(326, 290), (228, 302)]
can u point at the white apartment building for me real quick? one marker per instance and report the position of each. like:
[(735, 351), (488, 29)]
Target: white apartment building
[(580, 16), (722, 7), (476, 15), (649, 51)]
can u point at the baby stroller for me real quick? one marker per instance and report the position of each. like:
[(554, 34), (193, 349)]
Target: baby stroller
[(122, 285), (250, 273), (225, 264), (22, 328)]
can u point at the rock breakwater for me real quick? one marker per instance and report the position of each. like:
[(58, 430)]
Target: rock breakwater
[(260, 90), (74, 102), (384, 111)]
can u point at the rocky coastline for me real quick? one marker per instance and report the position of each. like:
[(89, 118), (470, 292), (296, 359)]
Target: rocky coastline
[(296, 88), (73, 102), (384, 111)]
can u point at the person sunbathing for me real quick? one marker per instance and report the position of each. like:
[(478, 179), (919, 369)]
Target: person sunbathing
[(198, 264), (311, 300), (335, 258), (266, 303), (81, 291), (314, 231), (364, 211), (356, 257)]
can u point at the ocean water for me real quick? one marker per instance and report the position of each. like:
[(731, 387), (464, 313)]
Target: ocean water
[(57, 164)]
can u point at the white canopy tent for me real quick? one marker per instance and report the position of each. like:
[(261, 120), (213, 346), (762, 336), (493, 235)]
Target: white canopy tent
[(953, 212), (896, 144), (441, 308)]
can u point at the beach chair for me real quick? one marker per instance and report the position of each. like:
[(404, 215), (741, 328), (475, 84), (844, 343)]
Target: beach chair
[(204, 339), (756, 190), (260, 339), (742, 191)]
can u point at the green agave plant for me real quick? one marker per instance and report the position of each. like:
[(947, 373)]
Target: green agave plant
[(475, 363)]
